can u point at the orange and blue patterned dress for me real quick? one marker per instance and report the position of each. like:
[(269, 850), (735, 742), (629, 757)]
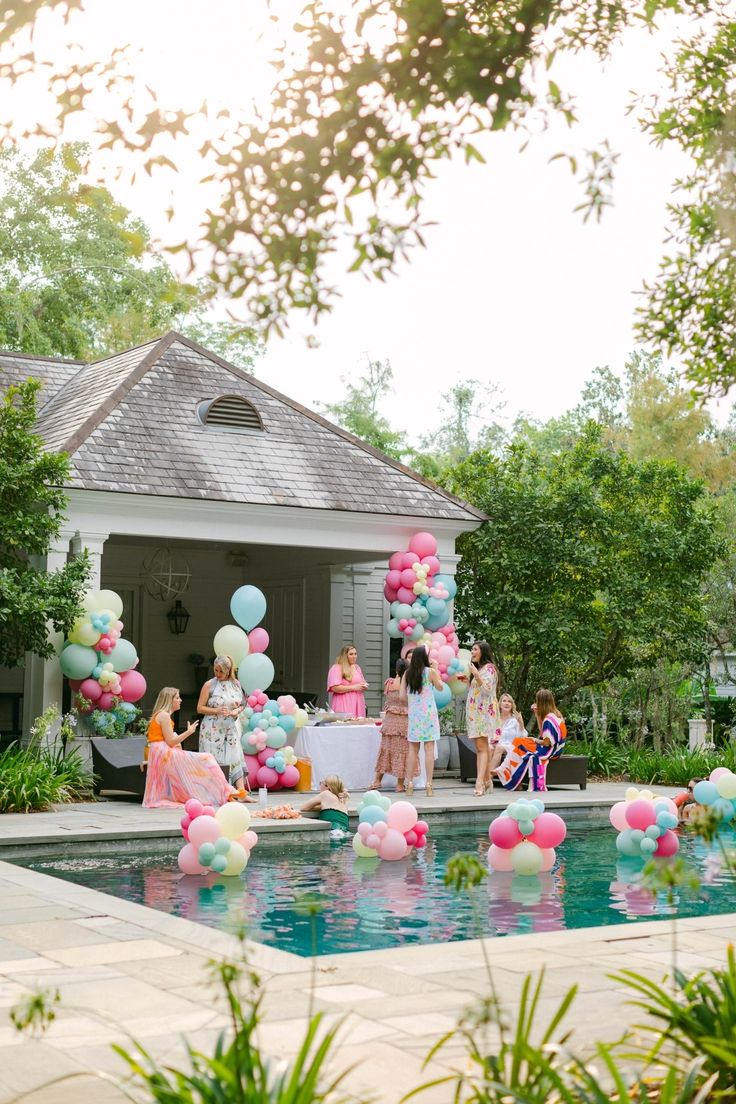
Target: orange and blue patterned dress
[(175, 775)]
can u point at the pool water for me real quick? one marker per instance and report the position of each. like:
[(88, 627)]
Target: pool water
[(366, 904)]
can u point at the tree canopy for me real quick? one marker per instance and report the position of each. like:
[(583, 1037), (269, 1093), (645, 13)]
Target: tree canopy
[(591, 563), (31, 514), (380, 95)]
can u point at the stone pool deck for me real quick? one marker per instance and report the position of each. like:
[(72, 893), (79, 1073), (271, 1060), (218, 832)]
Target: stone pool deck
[(126, 970)]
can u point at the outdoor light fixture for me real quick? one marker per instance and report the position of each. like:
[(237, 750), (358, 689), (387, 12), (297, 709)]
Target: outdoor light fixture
[(178, 618)]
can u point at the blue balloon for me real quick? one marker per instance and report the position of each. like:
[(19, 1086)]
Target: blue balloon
[(371, 814), (438, 622), (442, 697), (393, 629), (723, 809), (436, 606), (248, 607), (449, 584), (287, 722), (625, 845), (706, 793), (271, 761)]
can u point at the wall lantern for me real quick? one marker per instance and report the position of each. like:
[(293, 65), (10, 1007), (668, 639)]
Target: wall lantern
[(178, 618)]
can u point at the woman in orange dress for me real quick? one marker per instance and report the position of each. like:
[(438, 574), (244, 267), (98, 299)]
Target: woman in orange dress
[(174, 775)]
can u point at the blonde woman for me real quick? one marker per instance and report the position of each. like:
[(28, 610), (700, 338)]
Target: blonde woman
[(346, 684), (512, 727), (175, 775), (221, 701)]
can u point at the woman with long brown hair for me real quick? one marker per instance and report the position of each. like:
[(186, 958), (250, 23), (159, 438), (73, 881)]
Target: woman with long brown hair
[(530, 755)]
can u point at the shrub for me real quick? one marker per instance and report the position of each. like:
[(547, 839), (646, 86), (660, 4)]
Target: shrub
[(34, 778)]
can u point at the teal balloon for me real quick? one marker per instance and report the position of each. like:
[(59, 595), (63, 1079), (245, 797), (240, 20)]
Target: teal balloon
[(723, 809), (417, 632), (526, 827), (625, 845), (287, 723), (403, 612), (436, 606), (439, 621), (538, 805), (653, 832), (442, 697), (449, 584), (276, 737), (256, 672), (123, 656), (219, 864), (371, 797), (206, 854), (371, 814), (706, 792), (78, 661), (222, 845), (394, 608), (263, 722), (248, 607), (647, 846), (526, 889), (393, 629)]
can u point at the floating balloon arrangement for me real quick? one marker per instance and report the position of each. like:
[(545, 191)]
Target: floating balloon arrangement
[(99, 662), (644, 823), (718, 792), (420, 596), (217, 841), (269, 761), (524, 836), (387, 830)]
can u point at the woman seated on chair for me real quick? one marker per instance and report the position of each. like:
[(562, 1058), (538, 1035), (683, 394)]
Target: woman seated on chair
[(530, 755), (175, 775)]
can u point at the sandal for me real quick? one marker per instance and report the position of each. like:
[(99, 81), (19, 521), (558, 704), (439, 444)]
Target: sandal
[(243, 796), (409, 789)]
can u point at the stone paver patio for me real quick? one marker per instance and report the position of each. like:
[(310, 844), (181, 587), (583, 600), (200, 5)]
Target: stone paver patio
[(123, 968)]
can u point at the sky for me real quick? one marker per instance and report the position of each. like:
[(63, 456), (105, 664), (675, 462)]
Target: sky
[(513, 288)]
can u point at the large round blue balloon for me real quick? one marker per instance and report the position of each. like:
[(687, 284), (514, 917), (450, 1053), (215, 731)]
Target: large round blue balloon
[(248, 607), (449, 584), (706, 793), (438, 622), (442, 697)]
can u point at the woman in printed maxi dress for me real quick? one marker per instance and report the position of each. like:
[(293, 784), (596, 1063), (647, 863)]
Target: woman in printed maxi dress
[(393, 750), (481, 711), (419, 683), (530, 756), (174, 775), (221, 702)]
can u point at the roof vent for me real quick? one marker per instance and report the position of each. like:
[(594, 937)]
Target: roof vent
[(229, 412)]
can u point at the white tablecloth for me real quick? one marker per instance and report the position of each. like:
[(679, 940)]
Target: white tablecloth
[(349, 751)]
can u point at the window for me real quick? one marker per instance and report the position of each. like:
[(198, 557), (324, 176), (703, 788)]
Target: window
[(229, 412)]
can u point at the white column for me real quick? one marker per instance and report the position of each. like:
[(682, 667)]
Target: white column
[(339, 579), (361, 577), (92, 544), (43, 681)]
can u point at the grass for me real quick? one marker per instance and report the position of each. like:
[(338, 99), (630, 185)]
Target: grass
[(34, 778)]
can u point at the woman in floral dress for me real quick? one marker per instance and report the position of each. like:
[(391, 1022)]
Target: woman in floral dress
[(418, 683), (481, 711), (221, 701)]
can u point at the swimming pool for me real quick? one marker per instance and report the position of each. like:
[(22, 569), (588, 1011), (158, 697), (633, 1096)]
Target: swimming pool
[(367, 904)]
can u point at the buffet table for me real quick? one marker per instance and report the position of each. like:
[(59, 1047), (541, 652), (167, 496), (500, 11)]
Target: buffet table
[(347, 750)]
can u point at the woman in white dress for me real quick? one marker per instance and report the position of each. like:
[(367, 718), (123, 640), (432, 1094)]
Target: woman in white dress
[(221, 701), (512, 726)]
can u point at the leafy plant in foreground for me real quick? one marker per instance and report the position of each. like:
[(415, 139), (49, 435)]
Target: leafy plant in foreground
[(34, 778)]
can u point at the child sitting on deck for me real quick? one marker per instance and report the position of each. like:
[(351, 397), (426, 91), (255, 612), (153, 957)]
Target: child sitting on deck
[(332, 803)]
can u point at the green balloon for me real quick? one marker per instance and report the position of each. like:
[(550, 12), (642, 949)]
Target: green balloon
[(218, 864), (206, 854), (122, 657), (222, 845), (77, 661)]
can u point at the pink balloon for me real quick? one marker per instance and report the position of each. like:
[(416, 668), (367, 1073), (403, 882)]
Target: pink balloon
[(432, 563), (421, 842), (410, 837), (380, 828), (204, 829), (421, 827), (105, 700), (258, 640), (402, 816), (548, 859), (409, 559), (446, 654), (640, 814), (289, 776), (263, 756), (90, 688), (396, 561), (132, 686), (75, 684), (718, 773), (667, 844), (248, 840), (499, 858), (188, 860), (617, 816), (504, 832), (408, 578), (267, 777), (393, 846), (393, 580), (549, 831), (208, 810), (405, 595), (389, 594), (365, 829), (423, 544), (185, 822), (372, 840), (193, 808)]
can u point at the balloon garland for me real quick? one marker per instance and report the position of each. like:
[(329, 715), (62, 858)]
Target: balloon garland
[(269, 760), (644, 823), (216, 841), (524, 836), (387, 830), (99, 662), (718, 792), (419, 596)]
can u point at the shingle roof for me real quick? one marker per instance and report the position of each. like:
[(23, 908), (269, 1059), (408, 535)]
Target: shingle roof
[(130, 424), (53, 373)]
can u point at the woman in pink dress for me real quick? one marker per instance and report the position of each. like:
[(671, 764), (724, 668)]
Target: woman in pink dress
[(346, 684), (174, 775)]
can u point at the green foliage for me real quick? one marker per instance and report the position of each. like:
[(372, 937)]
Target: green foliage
[(466, 424), (35, 778), (31, 515), (674, 766), (358, 412), (591, 563)]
